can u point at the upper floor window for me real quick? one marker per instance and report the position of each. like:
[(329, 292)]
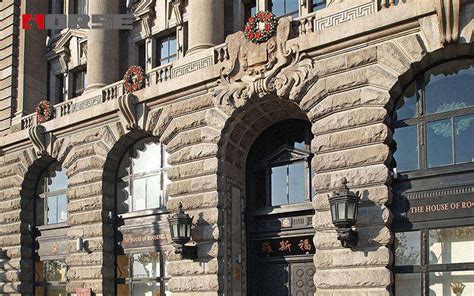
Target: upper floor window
[(80, 6), (279, 167), (434, 120), (51, 203), (55, 84), (317, 5), (141, 179), (284, 7), (166, 50), (79, 82)]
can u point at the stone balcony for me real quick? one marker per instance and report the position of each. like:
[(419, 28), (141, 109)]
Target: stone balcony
[(342, 24)]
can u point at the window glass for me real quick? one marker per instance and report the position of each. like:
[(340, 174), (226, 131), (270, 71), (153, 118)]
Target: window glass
[(297, 182), (408, 284), (279, 185), (148, 159), (50, 278), (318, 5), (284, 7), (146, 289), (464, 138), (250, 8), (142, 55), (447, 90), (141, 177), (451, 283), (146, 265), (406, 105), (79, 82), (407, 248), (451, 245), (52, 209), (62, 208), (439, 143), (167, 50), (406, 152), (57, 181)]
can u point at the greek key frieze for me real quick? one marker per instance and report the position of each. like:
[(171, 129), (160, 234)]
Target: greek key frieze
[(191, 67), (345, 16)]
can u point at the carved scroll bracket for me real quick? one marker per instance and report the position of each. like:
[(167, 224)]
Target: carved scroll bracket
[(128, 111), (40, 139)]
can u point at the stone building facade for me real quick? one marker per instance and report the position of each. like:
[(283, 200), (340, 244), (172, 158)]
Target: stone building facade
[(332, 82)]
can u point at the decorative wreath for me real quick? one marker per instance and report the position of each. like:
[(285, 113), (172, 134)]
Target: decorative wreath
[(44, 111), (134, 79), (260, 27)]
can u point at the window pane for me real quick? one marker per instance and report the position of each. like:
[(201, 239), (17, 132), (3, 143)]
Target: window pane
[(408, 284), (142, 56), (146, 265), (172, 45), (278, 7), (279, 185), (153, 192), (164, 50), (406, 106), (407, 248), (406, 153), (52, 210), (464, 138), (292, 7), (62, 208), (56, 271), (57, 181), (148, 158), (146, 289), (123, 271), (439, 143), (451, 283), (446, 91), (451, 245), (318, 5), (139, 194), (297, 182)]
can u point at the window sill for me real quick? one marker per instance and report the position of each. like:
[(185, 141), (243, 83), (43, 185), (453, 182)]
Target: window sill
[(144, 213), (307, 206), (53, 226)]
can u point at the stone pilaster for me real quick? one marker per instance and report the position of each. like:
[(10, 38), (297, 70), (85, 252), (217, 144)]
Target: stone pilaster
[(103, 64), (205, 24)]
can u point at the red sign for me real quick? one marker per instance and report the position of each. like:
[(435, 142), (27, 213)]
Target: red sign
[(83, 291)]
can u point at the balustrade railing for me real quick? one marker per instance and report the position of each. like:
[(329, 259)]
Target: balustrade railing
[(113, 91), (160, 74)]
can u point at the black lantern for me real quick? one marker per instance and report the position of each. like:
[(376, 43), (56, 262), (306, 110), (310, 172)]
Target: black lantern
[(180, 228), (344, 207)]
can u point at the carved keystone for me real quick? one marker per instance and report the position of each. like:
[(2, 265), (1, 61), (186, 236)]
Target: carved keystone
[(127, 107), (37, 135)]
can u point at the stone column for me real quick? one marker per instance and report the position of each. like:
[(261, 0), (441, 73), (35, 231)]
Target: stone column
[(102, 48), (206, 24)]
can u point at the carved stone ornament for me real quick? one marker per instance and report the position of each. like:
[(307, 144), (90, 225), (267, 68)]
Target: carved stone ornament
[(257, 70), (449, 12), (127, 108), (37, 135)]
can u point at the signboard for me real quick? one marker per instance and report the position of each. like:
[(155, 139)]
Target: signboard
[(287, 246), (432, 208), (83, 291)]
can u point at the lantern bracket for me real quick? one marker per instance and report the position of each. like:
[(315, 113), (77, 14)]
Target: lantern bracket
[(348, 237)]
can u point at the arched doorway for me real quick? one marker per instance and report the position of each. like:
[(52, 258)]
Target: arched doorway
[(279, 213)]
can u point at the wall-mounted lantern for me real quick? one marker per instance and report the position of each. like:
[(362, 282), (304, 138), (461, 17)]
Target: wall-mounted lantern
[(180, 228), (344, 207)]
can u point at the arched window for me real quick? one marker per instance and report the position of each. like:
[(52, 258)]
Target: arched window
[(279, 166), (434, 151), (434, 124), (51, 203), (50, 217), (141, 178)]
